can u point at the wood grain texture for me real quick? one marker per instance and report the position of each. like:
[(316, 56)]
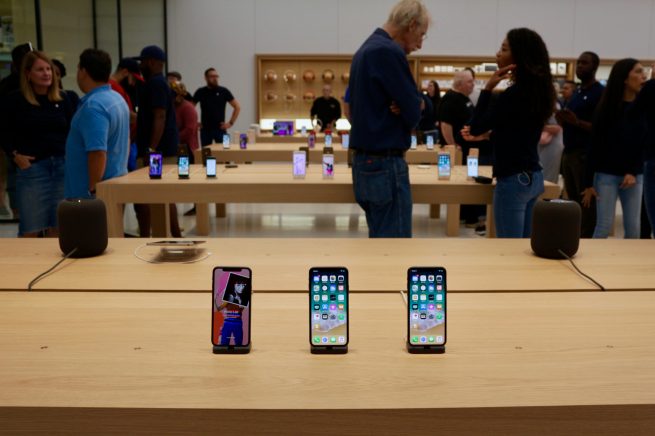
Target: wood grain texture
[(474, 265), (510, 355), (274, 183)]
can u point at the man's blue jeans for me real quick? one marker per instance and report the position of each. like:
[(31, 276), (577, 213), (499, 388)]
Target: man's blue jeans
[(382, 189), (514, 199), (607, 188)]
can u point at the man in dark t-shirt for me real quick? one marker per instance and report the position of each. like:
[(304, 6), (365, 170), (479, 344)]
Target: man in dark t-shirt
[(326, 108), (156, 128), (213, 99), (576, 120)]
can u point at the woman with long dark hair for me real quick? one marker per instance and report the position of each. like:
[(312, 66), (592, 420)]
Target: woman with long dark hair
[(516, 121), (615, 160)]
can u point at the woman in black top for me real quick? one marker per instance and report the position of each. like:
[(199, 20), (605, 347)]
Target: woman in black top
[(615, 160), (429, 116), (516, 121), (36, 120)]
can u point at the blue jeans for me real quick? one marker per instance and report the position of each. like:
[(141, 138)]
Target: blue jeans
[(210, 136), (607, 187), (232, 328), (39, 190), (381, 186), (649, 191), (514, 199)]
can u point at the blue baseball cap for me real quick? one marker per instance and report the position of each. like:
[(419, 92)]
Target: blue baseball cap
[(152, 52)]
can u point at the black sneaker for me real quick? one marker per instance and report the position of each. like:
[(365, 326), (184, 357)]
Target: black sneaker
[(481, 230), (190, 212)]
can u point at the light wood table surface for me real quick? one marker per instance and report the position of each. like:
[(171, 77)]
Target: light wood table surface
[(282, 152), (375, 265), (274, 183), (142, 362)]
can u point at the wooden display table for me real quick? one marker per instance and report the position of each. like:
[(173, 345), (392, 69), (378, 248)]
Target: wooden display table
[(269, 138), (282, 152), (474, 265), (142, 362), (270, 183)]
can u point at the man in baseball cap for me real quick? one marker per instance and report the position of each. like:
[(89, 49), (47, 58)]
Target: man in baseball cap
[(155, 125)]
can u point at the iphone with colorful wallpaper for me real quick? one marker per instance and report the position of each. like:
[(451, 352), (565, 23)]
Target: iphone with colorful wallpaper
[(426, 306), (231, 304), (328, 308)]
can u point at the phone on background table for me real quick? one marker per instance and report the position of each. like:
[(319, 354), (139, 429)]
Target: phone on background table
[(211, 166), (328, 166), (472, 163), (328, 139), (231, 309), (345, 140), (299, 164), (429, 142), (311, 140), (443, 165), (426, 308), (243, 141), (183, 167), (414, 142), (156, 161), (226, 141), (328, 310)]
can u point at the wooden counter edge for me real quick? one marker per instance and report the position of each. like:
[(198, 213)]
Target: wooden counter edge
[(561, 420)]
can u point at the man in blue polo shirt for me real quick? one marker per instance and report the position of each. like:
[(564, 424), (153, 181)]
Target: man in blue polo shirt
[(385, 107), (98, 143)]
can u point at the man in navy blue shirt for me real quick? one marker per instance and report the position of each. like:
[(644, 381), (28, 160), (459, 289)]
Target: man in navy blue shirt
[(385, 107), (576, 121), (156, 128)]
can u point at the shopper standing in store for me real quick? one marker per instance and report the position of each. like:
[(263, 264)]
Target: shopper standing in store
[(213, 98), (7, 167), (385, 107), (326, 109), (576, 120), (645, 104), (155, 126), (99, 140), (35, 121), (516, 122), (615, 159)]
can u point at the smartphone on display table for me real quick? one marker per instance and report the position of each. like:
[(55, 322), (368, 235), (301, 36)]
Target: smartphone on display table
[(226, 141), (156, 161), (211, 166), (328, 310), (443, 165), (413, 143), (426, 306), (183, 167), (345, 140), (328, 166), (299, 164), (472, 166), (231, 309)]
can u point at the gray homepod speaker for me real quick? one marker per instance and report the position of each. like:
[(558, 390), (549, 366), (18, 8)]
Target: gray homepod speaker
[(555, 226), (82, 226)]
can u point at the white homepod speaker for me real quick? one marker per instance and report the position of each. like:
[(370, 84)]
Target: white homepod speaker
[(555, 228)]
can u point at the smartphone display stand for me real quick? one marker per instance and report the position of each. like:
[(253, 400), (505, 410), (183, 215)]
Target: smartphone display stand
[(426, 349), (230, 349), (337, 349)]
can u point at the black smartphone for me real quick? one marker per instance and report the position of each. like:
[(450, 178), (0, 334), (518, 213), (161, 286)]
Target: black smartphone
[(231, 309), (206, 152), (328, 309), (155, 161), (183, 167), (426, 306), (211, 166)]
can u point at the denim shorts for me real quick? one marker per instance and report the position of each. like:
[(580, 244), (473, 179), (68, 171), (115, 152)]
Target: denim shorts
[(39, 189)]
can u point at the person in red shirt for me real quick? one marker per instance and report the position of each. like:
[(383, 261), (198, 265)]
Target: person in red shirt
[(187, 119)]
